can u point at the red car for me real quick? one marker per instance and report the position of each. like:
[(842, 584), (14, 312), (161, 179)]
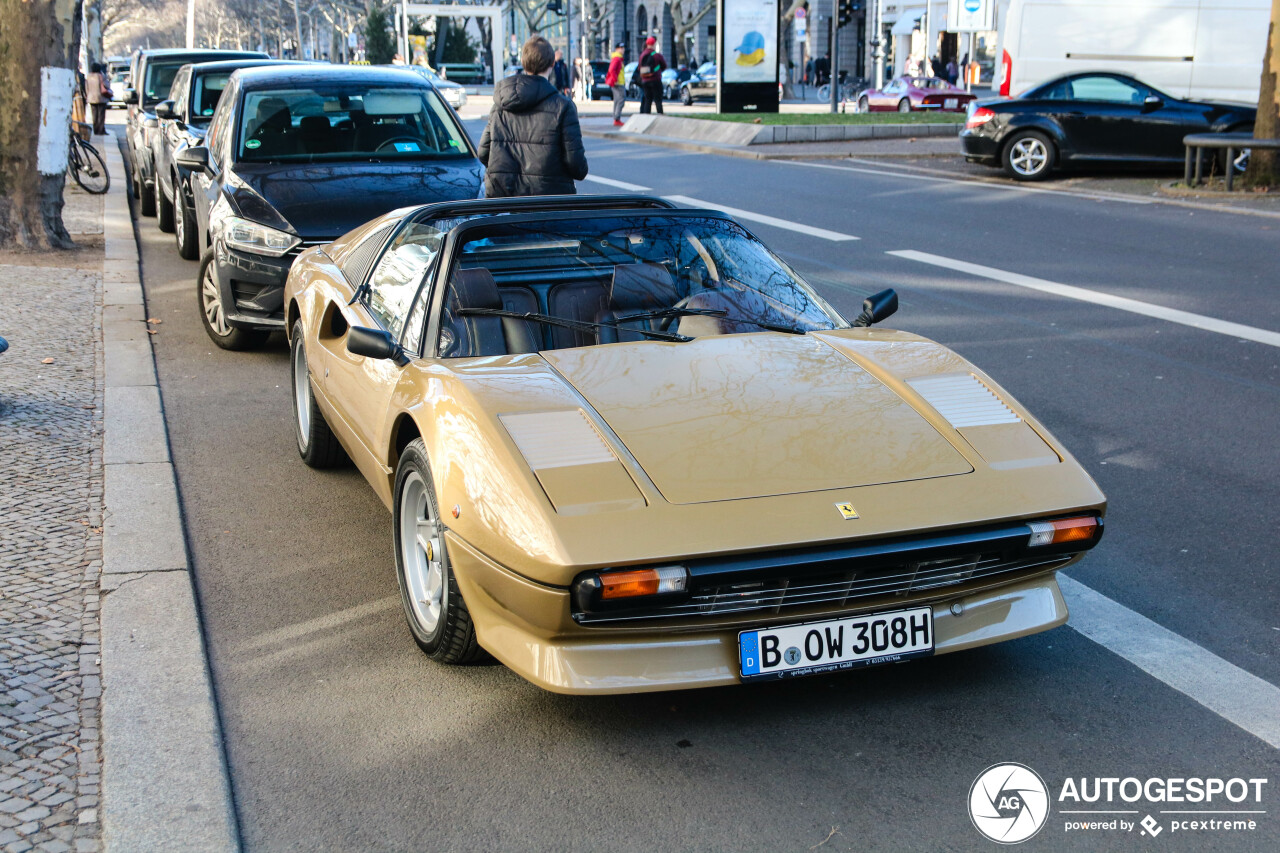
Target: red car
[(909, 94)]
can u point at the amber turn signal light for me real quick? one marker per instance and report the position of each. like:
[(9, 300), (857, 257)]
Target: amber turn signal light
[(1062, 531), (630, 583)]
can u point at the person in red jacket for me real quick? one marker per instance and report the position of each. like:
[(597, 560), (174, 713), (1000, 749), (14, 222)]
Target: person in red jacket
[(650, 68), (616, 80)]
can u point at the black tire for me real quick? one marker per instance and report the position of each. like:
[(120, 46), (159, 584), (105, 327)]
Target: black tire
[(219, 331), (1028, 155), (904, 106), (452, 639), (185, 232), (164, 208), (147, 201), (92, 174), (864, 105), (317, 445), (685, 97), (135, 185)]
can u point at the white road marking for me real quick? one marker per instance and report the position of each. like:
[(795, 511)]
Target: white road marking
[(1171, 315), (749, 216), (326, 624), (621, 185), (894, 172), (834, 236), (1224, 688)]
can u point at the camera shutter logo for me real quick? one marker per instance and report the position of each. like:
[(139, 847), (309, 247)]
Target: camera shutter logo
[(1008, 803)]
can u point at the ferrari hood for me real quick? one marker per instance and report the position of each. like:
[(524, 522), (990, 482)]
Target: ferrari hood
[(742, 416)]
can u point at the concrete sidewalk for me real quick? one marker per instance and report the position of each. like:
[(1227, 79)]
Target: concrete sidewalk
[(109, 735)]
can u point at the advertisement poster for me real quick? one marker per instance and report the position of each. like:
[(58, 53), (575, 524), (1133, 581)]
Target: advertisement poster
[(750, 41)]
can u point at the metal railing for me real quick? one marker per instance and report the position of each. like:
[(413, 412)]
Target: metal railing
[(1234, 143)]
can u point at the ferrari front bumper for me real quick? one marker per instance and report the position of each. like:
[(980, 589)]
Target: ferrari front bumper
[(526, 626)]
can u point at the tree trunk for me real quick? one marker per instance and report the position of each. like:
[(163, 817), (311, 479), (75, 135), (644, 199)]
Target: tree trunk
[(1264, 166), (34, 34)]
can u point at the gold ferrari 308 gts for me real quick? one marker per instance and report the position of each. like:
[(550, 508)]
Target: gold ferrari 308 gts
[(627, 448)]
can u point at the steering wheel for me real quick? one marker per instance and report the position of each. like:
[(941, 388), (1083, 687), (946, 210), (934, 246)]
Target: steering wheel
[(393, 140), (665, 322)]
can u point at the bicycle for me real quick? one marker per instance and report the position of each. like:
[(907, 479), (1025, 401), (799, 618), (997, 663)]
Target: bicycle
[(86, 165), (850, 88)]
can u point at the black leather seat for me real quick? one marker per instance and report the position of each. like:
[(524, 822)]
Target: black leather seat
[(636, 289), (481, 335), (316, 133), (274, 129)]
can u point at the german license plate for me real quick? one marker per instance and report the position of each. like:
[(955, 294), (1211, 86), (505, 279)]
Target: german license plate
[(951, 103), (794, 650)]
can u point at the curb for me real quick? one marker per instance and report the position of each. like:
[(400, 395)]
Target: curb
[(164, 783), (743, 151)]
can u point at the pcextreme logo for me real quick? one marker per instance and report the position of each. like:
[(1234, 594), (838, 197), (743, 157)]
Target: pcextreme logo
[(1009, 803)]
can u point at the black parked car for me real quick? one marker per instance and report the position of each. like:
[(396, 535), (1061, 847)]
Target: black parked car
[(701, 84), (184, 118), (297, 155), (1094, 118), (600, 90), (152, 76)]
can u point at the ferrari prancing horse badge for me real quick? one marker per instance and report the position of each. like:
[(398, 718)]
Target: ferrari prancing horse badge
[(847, 511)]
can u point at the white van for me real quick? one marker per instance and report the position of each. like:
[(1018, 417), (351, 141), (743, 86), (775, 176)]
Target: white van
[(1202, 49)]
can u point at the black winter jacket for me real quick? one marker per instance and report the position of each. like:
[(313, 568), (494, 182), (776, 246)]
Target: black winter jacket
[(532, 144)]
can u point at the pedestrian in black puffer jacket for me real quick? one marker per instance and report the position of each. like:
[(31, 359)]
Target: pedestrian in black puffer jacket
[(532, 144)]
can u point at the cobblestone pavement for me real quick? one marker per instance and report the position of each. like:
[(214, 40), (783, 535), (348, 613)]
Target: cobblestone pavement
[(50, 541)]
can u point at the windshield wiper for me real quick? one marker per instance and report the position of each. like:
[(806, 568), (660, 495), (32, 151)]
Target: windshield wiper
[(579, 325), (674, 312), (773, 327)]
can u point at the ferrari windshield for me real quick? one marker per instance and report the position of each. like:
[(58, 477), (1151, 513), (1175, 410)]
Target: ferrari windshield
[(606, 279), (348, 121)]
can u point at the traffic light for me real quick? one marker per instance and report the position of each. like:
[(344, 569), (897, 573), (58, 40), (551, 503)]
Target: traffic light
[(845, 10), (556, 6)]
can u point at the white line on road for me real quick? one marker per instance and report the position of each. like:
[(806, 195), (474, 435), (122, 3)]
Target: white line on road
[(1222, 687), (834, 236), (1171, 315), (786, 224), (621, 185), (892, 171)]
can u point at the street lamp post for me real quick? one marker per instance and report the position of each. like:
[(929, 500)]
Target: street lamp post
[(191, 24)]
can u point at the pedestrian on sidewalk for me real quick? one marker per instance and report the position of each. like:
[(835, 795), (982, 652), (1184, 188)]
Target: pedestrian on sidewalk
[(616, 80), (560, 75), (650, 68), (97, 91), (533, 143)]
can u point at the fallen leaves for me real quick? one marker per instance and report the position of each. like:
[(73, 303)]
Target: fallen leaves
[(46, 361)]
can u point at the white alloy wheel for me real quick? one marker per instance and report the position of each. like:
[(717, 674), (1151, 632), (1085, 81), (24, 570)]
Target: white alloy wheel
[(302, 395), (211, 302), (1029, 156), (421, 554)]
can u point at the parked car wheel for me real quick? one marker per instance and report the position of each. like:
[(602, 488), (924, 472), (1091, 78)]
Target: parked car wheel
[(904, 106), (864, 105), (135, 183), (214, 317), (317, 445), (686, 97), (1028, 156), (433, 605), (184, 236), (146, 201), (164, 209)]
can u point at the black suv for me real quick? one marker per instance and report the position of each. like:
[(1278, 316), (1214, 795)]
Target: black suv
[(184, 118), (151, 76), (298, 155)]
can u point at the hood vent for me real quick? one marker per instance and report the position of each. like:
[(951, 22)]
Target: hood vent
[(964, 400), (557, 439)]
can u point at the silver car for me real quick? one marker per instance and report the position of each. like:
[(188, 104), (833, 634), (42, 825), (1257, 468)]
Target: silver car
[(453, 93)]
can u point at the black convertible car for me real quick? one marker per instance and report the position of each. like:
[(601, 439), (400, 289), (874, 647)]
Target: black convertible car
[(1091, 118), (297, 155)]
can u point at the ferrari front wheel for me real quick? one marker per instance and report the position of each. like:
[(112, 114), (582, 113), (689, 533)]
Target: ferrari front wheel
[(438, 617)]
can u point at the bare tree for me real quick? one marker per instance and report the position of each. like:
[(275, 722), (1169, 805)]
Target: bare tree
[(1264, 166), (34, 35), (685, 16)]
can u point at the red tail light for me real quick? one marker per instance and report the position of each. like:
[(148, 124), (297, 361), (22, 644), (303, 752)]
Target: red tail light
[(1006, 62), (978, 117)]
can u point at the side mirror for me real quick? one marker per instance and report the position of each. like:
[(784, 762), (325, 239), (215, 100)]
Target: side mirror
[(131, 96), (195, 158), (375, 343), (1152, 102), (164, 109), (877, 307)]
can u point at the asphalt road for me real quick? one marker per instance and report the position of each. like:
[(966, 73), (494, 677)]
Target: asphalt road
[(342, 736)]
